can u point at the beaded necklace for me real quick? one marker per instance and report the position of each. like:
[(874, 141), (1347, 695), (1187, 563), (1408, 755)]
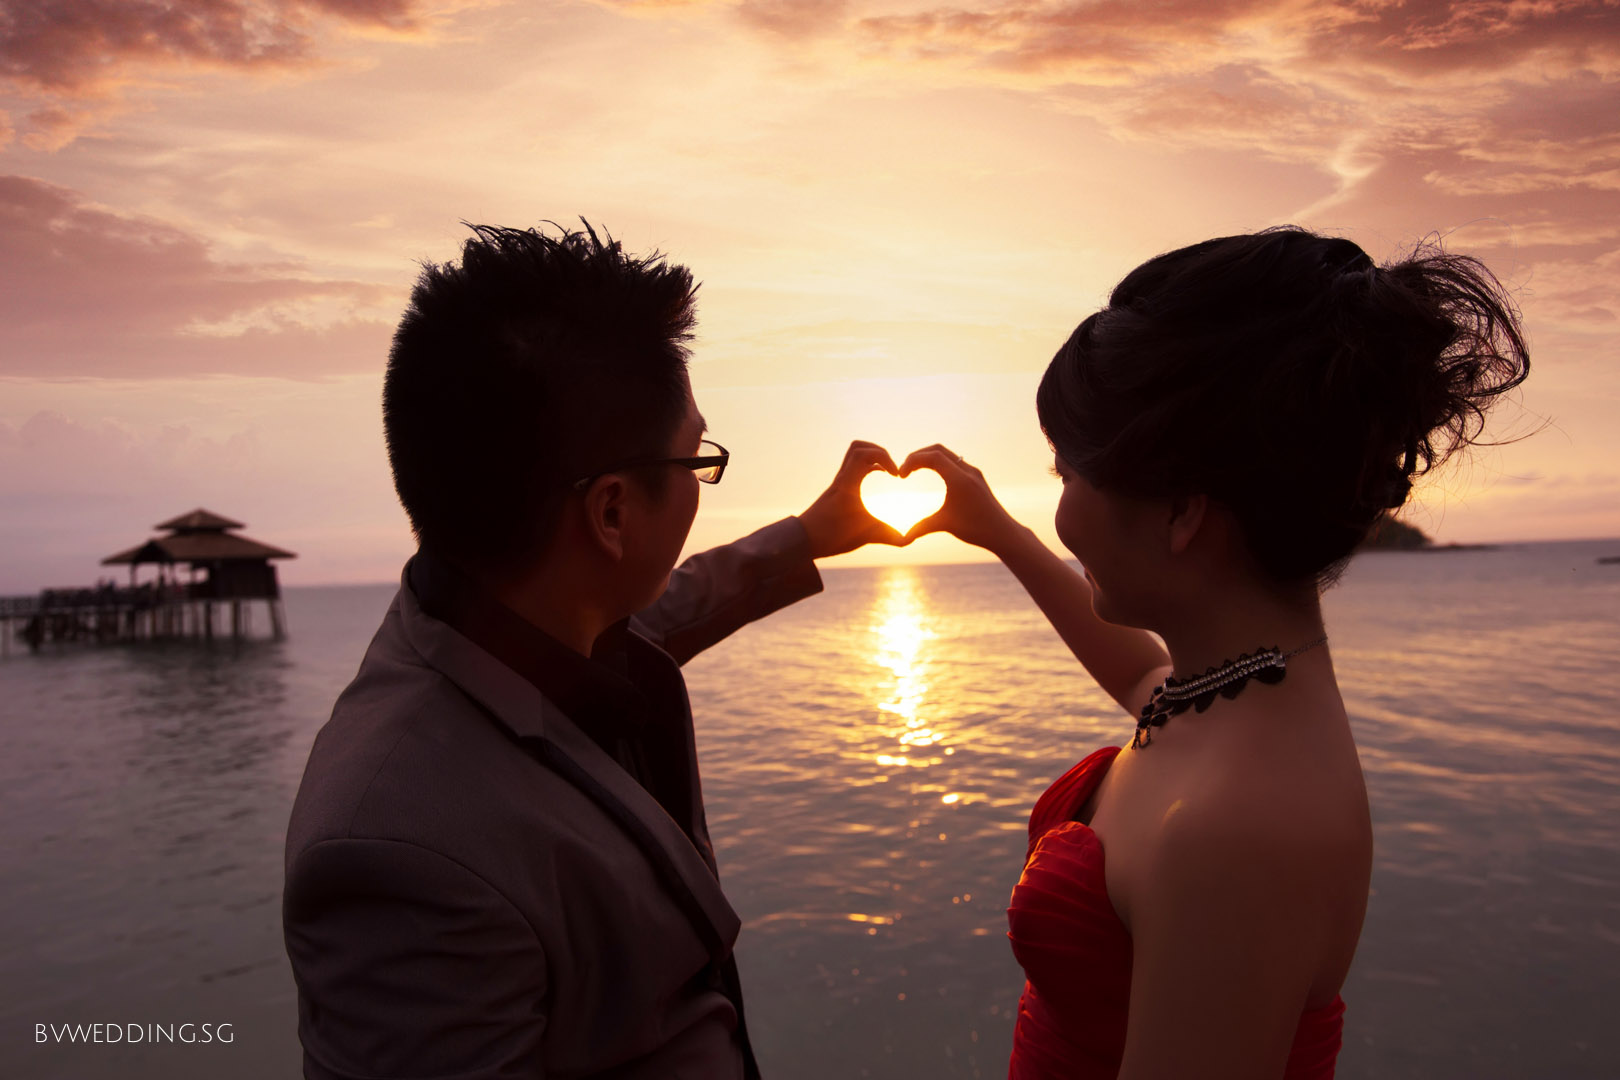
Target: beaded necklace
[(1175, 696)]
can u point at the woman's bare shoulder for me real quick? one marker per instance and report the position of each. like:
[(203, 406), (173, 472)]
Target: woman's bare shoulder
[(1251, 802)]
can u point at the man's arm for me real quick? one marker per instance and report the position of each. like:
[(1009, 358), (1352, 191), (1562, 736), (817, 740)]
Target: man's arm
[(717, 591), (409, 964)]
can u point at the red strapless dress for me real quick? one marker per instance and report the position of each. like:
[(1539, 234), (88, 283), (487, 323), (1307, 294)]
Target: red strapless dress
[(1076, 954)]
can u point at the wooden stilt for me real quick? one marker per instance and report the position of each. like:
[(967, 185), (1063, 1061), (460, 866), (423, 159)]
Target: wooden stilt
[(236, 620), (278, 618)]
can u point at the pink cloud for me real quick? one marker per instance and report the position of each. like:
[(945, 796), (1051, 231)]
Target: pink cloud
[(1503, 79), (1068, 42), (1416, 72), (86, 291), (1240, 102), (80, 57), (1504, 102), (1423, 37), (1417, 37), (308, 476), (79, 46), (782, 18), (792, 18), (655, 7)]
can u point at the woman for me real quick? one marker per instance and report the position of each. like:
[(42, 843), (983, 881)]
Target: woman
[(1227, 430)]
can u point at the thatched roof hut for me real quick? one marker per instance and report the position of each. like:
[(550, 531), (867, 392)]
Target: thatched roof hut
[(237, 567)]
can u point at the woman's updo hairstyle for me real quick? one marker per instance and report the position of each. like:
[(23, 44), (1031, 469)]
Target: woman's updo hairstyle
[(1285, 375)]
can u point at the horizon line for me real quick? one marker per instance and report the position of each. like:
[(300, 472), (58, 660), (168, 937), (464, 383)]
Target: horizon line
[(1067, 558)]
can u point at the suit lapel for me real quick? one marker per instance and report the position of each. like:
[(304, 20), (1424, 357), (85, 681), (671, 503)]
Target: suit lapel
[(518, 707)]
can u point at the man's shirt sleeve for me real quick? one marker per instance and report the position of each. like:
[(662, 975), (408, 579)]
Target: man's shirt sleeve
[(717, 591)]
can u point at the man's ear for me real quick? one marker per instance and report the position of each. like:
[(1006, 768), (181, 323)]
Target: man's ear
[(605, 514), (1186, 517)]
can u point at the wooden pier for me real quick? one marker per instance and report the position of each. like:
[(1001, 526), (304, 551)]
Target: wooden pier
[(146, 611), (228, 574)]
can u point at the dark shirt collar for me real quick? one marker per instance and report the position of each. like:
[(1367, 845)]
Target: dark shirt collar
[(595, 692)]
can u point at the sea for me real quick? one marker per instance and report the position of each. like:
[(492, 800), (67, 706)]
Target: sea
[(870, 756)]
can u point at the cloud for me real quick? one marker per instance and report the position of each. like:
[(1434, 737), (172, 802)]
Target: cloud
[(1210, 72), (792, 18), (1529, 90), (1496, 119), (81, 46), (1438, 38), (80, 57), (1082, 40), (656, 7), (99, 457), (1451, 110), (1101, 42), (306, 471), (85, 291)]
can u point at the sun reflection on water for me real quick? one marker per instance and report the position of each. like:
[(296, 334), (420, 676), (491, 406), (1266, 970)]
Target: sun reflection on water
[(902, 627)]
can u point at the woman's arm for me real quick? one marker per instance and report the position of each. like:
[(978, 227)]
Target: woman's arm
[(1126, 662)]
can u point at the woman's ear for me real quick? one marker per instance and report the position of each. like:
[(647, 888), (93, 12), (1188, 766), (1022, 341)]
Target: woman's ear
[(1186, 518), (605, 514)]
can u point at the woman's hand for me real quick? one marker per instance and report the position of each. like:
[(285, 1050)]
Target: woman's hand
[(971, 512), (1124, 660), (838, 521)]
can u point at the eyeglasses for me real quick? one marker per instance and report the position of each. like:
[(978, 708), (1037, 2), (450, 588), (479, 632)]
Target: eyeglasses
[(708, 467)]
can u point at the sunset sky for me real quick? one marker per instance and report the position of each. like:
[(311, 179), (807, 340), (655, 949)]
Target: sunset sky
[(211, 212)]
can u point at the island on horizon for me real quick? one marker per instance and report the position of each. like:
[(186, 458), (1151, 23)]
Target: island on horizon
[(1389, 533)]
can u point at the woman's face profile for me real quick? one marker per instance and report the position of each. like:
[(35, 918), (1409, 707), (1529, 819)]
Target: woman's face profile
[(1102, 530)]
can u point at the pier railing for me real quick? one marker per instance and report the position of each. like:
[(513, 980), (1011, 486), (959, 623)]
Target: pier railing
[(112, 613), (18, 606)]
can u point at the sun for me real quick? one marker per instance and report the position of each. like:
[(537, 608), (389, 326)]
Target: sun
[(903, 503)]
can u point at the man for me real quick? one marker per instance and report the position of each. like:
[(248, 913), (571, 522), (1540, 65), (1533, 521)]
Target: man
[(497, 863)]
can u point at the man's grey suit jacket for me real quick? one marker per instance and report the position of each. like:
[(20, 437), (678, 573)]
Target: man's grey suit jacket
[(475, 890)]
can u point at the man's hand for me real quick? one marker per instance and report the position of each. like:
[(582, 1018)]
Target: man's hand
[(838, 521), (971, 513)]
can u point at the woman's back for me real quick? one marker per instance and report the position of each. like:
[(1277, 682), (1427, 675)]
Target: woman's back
[(1091, 858), (1283, 758)]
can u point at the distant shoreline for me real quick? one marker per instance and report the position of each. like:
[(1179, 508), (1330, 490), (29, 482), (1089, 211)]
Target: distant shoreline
[(1432, 547)]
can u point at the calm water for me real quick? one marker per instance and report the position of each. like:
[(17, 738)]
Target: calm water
[(870, 823)]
